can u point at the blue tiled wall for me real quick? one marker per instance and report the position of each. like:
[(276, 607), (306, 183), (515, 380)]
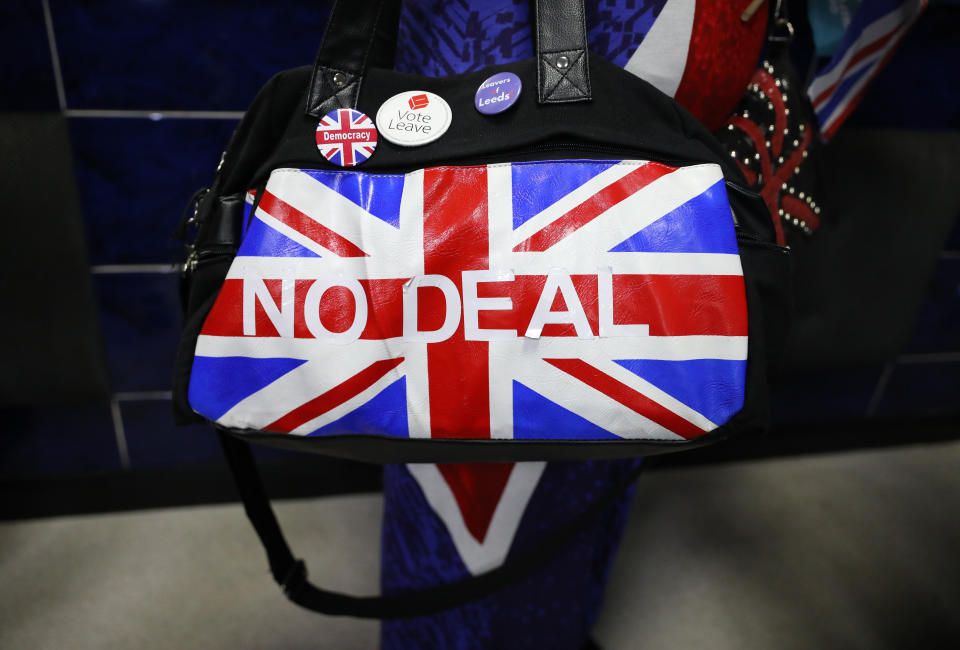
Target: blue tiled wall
[(124, 67)]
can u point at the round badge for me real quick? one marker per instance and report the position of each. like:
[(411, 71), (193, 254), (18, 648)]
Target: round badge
[(346, 137), (413, 118), (497, 93)]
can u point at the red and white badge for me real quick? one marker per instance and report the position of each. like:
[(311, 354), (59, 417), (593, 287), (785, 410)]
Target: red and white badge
[(346, 137), (414, 118)]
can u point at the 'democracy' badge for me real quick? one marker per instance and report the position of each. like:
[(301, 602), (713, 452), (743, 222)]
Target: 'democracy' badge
[(497, 93), (413, 118), (346, 137)]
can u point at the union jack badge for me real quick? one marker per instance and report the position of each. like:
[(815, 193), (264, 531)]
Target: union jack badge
[(346, 137)]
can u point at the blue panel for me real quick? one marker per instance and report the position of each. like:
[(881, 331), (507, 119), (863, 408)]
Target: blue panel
[(714, 387), (140, 318), (26, 75), (55, 439), (135, 178), (701, 225), (377, 194), (261, 239), (385, 414), (537, 186), (175, 54), (537, 418), (153, 440), (219, 383)]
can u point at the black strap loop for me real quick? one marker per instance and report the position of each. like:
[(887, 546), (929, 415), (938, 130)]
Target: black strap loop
[(362, 34), (291, 573)]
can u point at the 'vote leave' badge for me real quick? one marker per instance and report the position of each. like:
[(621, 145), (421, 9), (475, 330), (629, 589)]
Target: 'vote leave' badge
[(413, 118), (346, 137), (497, 93)]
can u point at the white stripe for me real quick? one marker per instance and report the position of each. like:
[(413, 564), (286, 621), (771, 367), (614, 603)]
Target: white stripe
[(582, 193), (500, 211), (858, 87), (647, 389), (587, 402), (661, 57), (305, 383), (501, 392), (332, 210), (481, 556), (628, 217), (673, 348), (622, 263), (418, 389), (872, 32)]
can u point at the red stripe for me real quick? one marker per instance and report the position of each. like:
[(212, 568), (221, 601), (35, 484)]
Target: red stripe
[(593, 207), (290, 216), (672, 305), (334, 397), (633, 400), (455, 239), (859, 56)]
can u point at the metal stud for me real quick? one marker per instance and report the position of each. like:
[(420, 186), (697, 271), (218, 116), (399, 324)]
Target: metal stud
[(804, 153), (746, 115), (769, 106), (777, 82), (339, 79), (763, 95), (791, 190), (783, 187), (796, 143), (733, 154), (802, 127), (730, 127), (786, 111), (796, 221), (756, 156), (800, 195), (796, 170), (780, 160), (746, 161), (771, 128), (781, 212), (768, 144), (817, 210), (563, 62)]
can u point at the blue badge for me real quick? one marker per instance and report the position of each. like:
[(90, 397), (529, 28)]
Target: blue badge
[(497, 93)]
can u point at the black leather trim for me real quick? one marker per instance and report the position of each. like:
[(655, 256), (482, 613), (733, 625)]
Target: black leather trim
[(563, 71), (360, 34)]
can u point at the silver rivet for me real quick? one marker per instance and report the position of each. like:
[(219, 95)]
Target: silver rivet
[(817, 210), (796, 170), (802, 127), (746, 115), (771, 128), (786, 131), (780, 160), (756, 156), (784, 98), (746, 161), (804, 154), (791, 190), (787, 216), (809, 200), (803, 224), (339, 79), (770, 106), (777, 82), (763, 95), (781, 212), (730, 127), (796, 143), (768, 144), (796, 221), (733, 154), (786, 111), (783, 187), (800, 195), (563, 62)]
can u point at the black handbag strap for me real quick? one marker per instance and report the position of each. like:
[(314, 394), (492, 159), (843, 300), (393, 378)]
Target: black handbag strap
[(362, 34), (291, 573)]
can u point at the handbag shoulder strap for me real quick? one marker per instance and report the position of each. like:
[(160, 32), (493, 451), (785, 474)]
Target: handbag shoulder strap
[(362, 34), (291, 573)]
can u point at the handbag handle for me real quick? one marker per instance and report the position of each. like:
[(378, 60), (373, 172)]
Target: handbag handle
[(362, 34), (291, 573)]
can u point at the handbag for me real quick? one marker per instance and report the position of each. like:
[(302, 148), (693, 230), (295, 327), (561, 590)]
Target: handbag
[(584, 275)]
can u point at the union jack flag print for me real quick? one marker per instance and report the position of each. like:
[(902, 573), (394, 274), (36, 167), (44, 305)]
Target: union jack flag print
[(346, 137), (576, 300)]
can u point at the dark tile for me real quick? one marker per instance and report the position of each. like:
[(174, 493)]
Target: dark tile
[(824, 394), (922, 388), (920, 86), (55, 440), (937, 327), (153, 440), (201, 55), (135, 177), (26, 75), (140, 316), (953, 242)]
